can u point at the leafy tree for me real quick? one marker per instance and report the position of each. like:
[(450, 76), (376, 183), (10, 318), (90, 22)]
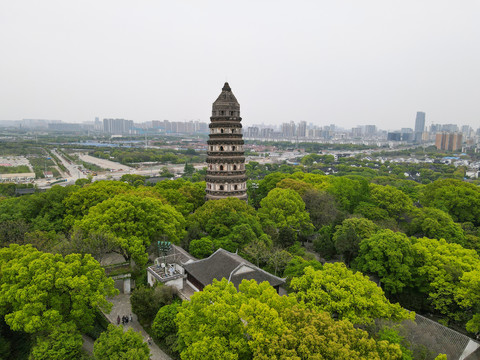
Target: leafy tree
[(350, 233), (371, 211), (268, 183), (297, 265), (40, 291), (115, 344), (63, 342), (345, 294), (13, 231), (79, 202), (164, 323), (458, 198), (166, 173), (185, 196), (44, 211), (226, 221), (393, 337), (133, 221), (255, 322), (467, 295), (258, 249), (443, 272), (299, 186), (278, 259), (395, 202), (82, 182), (322, 208), (132, 179), (201, 248), (146, 301), (323, 242), (188, 170), (97, 243), (436, 224), (389, 255), (44, 241), (349, 192), (284, 208)]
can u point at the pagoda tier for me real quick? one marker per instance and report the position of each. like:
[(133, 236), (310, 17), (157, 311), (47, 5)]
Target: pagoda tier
[(225, 153)]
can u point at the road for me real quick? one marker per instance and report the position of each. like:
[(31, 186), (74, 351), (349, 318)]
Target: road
[(118, 170)]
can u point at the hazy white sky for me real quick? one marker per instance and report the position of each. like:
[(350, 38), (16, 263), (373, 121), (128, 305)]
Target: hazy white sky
[(346, 62)]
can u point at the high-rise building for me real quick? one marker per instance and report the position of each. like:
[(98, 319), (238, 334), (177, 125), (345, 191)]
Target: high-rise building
[(117, 126), (225, 155), (288, 130), (370, 130), (302, 129), (448, 141), (419, 126)]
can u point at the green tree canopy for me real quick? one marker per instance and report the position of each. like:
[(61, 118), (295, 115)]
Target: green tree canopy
[(389, 255), (115, 344), (268, 183), (44, 211), (202, 248), (184, 195), (164, 324), (394, 201), (284, 208), (132, 179), (134, 222), (349, 191), (458, 198), (146, 301), (322, 208), (79, 203), (436, 224), (350, 233), (443, 270), (297, 185), (346, 294), (40, 291), (63, 342), (296, 267), (230, 223), (255, 322)]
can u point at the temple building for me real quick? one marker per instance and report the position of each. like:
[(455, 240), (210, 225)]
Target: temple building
[(225, 154)]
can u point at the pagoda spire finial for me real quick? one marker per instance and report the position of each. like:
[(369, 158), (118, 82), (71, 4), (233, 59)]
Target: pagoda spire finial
[(226, 87)]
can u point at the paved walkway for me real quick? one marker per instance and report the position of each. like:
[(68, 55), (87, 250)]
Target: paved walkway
[(121, 307)]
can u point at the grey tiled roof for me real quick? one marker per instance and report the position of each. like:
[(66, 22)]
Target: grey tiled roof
[(224, 264)]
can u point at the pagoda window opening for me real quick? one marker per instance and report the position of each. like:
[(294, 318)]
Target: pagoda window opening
[(235, 187), (221, 130), (221, 148), (221, 187), (232, 113), (222, 112), (233, 131), (234, 167), (233, 148), (221, 167)]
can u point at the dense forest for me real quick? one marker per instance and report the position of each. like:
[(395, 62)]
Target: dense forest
[(328, 235)]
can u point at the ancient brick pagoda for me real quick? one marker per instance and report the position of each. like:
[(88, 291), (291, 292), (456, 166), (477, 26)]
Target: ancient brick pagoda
[(225, 155)]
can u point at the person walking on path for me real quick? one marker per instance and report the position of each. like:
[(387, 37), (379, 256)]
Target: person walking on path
[(118, 320)]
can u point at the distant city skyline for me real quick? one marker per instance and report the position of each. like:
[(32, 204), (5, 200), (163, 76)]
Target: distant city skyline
[(346, 62)]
